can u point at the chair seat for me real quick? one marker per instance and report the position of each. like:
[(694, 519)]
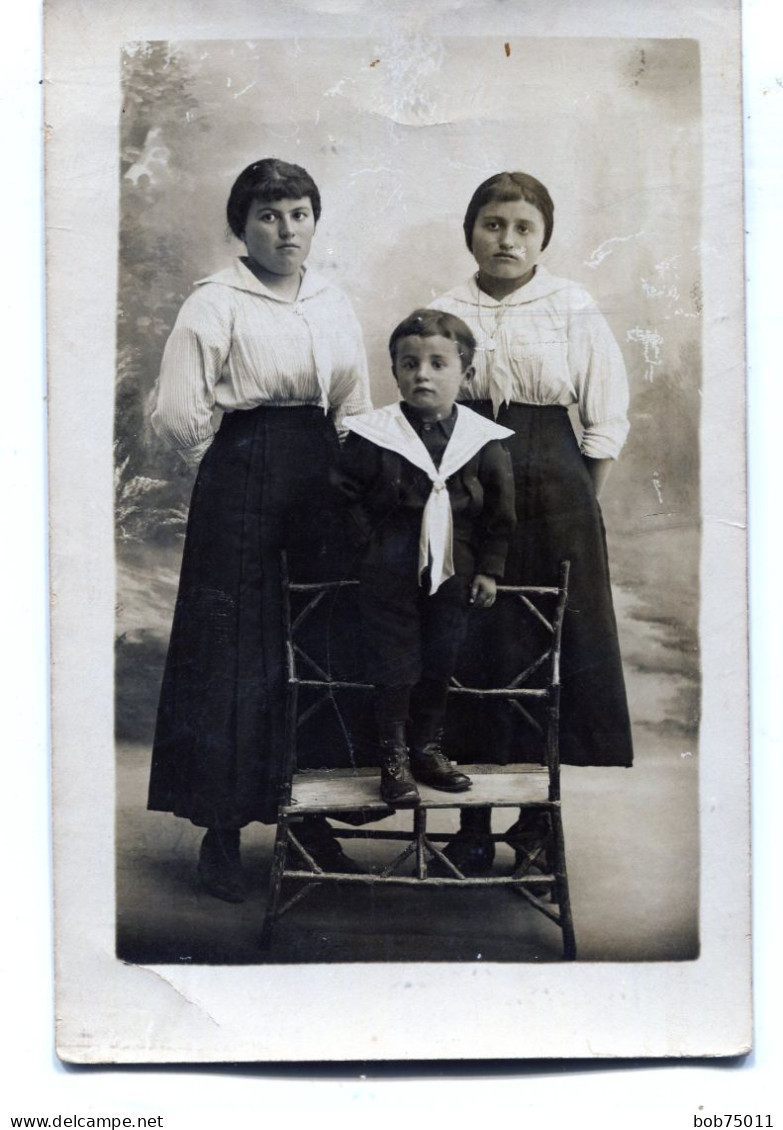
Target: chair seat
[(342, 790)]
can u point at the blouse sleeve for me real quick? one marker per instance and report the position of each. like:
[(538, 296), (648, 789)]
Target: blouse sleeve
[(358, 399), (193, 361), (599, 377)]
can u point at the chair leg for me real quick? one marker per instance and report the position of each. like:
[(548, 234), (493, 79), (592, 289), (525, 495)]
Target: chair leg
[(420, 832), (275, 882), (561, 887)]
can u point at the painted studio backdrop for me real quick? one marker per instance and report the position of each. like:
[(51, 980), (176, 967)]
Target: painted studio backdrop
[(397, 135)]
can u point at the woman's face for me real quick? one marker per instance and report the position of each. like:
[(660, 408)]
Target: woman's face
[(278, 235), (507, 239)]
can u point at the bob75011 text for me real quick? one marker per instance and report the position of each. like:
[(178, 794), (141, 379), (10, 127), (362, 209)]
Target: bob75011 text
[(725, 1121)]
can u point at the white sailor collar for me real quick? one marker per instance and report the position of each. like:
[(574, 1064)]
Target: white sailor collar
[(389, 428)]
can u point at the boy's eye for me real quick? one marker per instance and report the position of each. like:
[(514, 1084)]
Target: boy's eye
[(300, 215)]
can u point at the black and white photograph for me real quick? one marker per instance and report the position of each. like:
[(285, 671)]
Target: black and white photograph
[(583, 299), (417, 560)]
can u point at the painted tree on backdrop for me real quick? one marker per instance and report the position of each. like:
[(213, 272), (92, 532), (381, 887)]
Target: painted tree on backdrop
[(159, 111)]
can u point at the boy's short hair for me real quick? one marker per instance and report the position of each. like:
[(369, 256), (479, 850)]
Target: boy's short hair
[(503, 187), (269, 180), (431, 323)]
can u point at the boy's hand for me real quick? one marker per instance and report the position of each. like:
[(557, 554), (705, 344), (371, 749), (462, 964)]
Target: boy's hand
[(483, 591)]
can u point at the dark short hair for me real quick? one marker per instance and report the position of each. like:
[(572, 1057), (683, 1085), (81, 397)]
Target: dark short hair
[(503, 187), (432, 323), (268, 180)]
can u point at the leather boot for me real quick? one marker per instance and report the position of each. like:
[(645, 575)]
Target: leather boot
[(531, 838), (220, 866), (319, 840), (398, 788), (472, 849), (430, 765)]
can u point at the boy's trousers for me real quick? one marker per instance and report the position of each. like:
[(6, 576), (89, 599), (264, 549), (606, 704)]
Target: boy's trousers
[(408, 634)]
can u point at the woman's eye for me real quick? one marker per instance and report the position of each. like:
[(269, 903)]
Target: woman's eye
[(299, 216)]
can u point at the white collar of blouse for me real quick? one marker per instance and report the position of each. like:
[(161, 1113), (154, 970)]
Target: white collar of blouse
[(240, 277), (541, 285)]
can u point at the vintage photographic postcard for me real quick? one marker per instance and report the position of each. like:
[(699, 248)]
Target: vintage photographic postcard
[(609, 910)]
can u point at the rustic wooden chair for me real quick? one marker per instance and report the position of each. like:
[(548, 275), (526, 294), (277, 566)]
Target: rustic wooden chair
[(539, 875)]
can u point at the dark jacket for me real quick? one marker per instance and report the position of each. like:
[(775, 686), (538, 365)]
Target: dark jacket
[(384, 497)]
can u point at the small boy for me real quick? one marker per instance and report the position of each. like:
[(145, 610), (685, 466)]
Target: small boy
[(429, 493)]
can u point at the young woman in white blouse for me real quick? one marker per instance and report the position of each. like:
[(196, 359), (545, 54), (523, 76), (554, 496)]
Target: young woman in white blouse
[(278, 349), (543, 345)]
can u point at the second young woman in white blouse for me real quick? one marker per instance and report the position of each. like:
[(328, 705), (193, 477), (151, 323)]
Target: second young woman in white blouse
[(543, 345)]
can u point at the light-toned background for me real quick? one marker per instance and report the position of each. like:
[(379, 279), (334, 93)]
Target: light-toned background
[(398, 130), (643, 1096)]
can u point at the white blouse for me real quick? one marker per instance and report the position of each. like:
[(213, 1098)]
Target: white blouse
[(236, 344), (547, 343)]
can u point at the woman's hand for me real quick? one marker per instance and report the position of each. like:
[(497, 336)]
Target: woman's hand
[(483, 591), (598, 470)]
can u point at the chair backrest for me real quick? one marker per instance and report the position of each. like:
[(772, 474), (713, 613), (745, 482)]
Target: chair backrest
[(328, 708), (530, 619)]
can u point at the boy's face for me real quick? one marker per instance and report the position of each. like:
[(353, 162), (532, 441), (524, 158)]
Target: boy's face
[(429, 372)]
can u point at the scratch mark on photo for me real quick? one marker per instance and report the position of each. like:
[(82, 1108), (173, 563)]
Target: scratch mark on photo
[(605, 249)]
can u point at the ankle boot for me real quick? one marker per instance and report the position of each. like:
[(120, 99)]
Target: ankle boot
[(430, 765), (531, 838), (220, 865), (472, 849), (319, 840), (398, 788)]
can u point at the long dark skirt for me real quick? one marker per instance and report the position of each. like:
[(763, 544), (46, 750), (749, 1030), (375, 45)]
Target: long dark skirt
[(559, 518), (262, 487)]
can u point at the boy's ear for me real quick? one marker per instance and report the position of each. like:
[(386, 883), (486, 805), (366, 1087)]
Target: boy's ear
[(469, 373)]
